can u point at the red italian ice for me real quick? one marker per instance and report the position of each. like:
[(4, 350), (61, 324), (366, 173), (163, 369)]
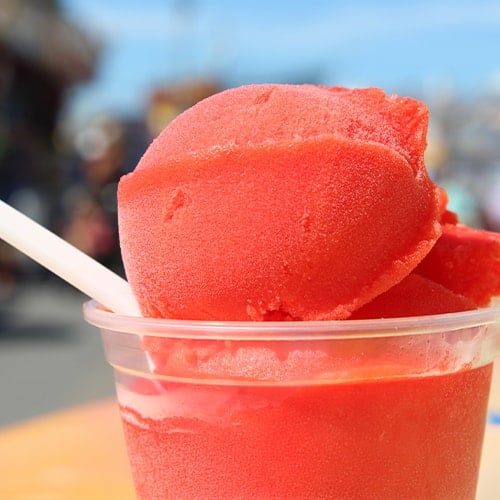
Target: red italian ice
[(279, 202)]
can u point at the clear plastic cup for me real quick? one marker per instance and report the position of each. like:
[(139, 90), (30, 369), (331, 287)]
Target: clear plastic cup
[(392, 408)]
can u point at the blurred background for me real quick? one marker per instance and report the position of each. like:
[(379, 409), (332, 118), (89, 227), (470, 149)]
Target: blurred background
[(85, 85)]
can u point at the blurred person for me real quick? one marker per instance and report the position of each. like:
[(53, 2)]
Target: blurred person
[(102, 151), (89, 219), (491, 205), (91, 230)]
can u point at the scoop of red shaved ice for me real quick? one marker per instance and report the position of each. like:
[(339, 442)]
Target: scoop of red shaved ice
[(414, 296), (253, 115), (290, 202), (466, 261)]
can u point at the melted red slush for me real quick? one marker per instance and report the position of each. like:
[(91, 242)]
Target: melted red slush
[(417, 437)]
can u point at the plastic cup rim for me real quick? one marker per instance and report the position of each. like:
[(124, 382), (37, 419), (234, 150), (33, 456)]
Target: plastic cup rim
[(289, 330)]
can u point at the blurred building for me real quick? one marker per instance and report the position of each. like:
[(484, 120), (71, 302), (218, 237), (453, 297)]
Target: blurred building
[(42, 55)]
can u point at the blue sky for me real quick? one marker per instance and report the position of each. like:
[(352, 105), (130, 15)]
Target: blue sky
[(392, 44)]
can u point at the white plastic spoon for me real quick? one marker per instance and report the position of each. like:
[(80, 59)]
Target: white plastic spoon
[(69, 263)]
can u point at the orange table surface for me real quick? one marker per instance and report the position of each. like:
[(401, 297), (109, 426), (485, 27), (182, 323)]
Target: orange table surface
[(79, 453), (74, 454)]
